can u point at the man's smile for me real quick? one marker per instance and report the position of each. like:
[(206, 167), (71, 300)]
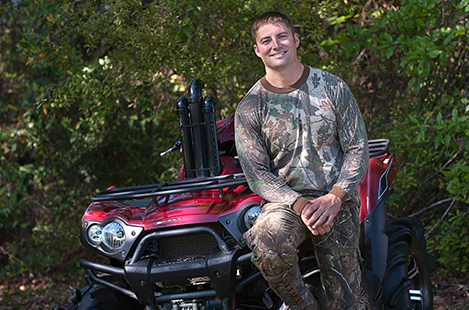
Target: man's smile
[(280, 54)]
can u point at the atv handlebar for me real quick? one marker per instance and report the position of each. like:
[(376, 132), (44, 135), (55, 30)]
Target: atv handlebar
[(175, 147)]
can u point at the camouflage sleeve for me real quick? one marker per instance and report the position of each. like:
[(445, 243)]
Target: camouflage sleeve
[(255, 160), (352, 137)]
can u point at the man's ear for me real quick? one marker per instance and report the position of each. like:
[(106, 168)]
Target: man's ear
[(256, 50), (297, 40)]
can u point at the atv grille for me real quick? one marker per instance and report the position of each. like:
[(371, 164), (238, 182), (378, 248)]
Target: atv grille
[(188, 246), (197, 245)]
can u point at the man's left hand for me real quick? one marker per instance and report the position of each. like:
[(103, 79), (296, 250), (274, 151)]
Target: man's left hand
[(318, 215)]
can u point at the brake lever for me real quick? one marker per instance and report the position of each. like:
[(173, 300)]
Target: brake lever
[(176, 146)]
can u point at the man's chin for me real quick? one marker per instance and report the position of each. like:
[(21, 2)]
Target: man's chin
[(277, 65)]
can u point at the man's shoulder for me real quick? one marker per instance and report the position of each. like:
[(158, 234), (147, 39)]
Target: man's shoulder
[(255, 88), (325, 76), (252, 95)]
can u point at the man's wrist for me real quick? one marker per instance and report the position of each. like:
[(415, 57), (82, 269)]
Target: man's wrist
[(339, 192), (301, 201), (299, 204)]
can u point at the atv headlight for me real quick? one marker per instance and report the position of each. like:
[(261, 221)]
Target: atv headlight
[(251, 216), (113, 235), (94, 233)]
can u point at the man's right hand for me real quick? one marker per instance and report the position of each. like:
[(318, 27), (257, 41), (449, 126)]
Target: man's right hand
[(318, 214)]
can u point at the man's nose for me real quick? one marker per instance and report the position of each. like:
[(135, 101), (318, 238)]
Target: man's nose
[(275, 43)]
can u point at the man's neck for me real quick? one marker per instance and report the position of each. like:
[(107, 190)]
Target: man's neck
[(286, 77)]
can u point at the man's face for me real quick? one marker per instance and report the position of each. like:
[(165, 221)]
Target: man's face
[(276, 45)]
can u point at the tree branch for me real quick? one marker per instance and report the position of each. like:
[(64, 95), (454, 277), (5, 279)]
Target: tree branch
[(441, 219), (432, 206)]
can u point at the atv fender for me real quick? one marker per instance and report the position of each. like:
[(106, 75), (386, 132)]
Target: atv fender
[(373, 240)]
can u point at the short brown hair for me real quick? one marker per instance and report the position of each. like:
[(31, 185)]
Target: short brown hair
[(270, 18)]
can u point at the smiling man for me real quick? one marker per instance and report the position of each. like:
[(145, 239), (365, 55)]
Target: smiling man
[(302, 145)]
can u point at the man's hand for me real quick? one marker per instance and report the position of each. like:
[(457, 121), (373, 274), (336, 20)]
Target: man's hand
[(318, 215)]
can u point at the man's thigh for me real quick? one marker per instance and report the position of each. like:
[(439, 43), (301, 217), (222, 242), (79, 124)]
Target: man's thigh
[(275, 237)]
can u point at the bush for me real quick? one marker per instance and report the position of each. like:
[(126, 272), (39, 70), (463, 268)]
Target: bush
[(88, 91), (411, 58)]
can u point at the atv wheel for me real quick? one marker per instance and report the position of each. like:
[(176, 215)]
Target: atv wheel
[(407, 283), (98, 297)]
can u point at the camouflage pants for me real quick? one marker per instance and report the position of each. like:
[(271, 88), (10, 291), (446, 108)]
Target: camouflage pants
[(279, 231)]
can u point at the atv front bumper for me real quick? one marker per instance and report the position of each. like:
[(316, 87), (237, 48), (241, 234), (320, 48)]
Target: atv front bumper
[(141, 273)]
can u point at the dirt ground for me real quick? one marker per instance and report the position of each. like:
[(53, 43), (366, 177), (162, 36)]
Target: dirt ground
[(451, 294), (41, 293)]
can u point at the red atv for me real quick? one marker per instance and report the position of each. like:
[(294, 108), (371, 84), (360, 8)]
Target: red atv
[(179, 245)]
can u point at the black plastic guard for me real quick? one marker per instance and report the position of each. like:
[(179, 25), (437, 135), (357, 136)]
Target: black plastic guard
[(373, 240)]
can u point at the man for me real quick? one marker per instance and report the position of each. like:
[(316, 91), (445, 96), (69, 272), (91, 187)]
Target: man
[(302, 145)]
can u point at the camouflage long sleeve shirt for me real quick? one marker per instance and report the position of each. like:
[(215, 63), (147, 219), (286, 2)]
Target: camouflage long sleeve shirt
[(306, 140)]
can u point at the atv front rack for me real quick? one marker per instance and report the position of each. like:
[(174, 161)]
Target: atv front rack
[(178, 187)]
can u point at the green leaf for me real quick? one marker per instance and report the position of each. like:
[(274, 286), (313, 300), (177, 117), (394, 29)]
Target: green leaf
[(389, 52), (400, 39), (379, 22), (50, 17), (454, 113), (447, 139), (448, 38), (417, 85), (460, 30), (439, 119), (414, 120), (350, 30), (438, 139), (388, 37), (434, 53)]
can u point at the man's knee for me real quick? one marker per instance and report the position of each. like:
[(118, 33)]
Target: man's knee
[(274, 238), (273, 252)]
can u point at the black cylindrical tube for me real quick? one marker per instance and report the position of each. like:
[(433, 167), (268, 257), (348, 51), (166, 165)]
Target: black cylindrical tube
[(186, 139), (198, 129), (211, 135)]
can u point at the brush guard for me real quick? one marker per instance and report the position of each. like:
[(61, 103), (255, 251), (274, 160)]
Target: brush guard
[(142, 273)]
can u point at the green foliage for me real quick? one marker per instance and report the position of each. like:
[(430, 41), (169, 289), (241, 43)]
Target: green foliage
[(452, 242), (88, 92), (447, 141), (414, 57), (440, 171), (440, 148)]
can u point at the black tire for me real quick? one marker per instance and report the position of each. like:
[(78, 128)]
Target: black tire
[(98, 297), (407, 284)]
